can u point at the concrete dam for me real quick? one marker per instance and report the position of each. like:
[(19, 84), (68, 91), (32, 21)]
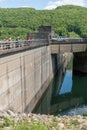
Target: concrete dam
[(25, 76), (26, 72)]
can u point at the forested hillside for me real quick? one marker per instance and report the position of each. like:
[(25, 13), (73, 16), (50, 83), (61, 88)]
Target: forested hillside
[(67, 21)]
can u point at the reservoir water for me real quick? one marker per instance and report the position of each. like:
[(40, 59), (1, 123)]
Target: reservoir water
[(66, 95)]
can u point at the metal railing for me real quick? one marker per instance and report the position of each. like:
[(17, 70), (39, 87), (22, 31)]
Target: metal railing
[(69, 40), (5, 45)]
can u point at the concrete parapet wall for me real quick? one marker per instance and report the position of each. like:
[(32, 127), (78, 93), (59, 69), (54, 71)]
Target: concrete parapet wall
[(24, 77), (68, 47)]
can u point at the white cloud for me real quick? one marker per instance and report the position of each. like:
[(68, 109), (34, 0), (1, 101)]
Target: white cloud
[(53, 5)]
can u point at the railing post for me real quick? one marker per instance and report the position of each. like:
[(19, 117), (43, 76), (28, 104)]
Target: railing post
[(71, 47), (59, 47)]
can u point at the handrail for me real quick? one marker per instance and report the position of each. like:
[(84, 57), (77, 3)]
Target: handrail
[(69, 40), (4, 45)]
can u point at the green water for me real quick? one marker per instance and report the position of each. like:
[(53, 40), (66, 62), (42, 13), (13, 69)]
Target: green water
[(71, 98), (66, 95)]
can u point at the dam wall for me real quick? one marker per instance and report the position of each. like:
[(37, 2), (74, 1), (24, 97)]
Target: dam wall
[(24, 77)]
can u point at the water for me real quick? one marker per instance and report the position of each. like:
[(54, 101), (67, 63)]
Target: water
[(77, 91), (67, 83), (66, 95)]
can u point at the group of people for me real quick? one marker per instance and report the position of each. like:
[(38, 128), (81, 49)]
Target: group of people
[(17, 39), (10, 39)]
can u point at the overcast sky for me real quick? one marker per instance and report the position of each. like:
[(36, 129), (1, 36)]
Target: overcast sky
[(40, 4)]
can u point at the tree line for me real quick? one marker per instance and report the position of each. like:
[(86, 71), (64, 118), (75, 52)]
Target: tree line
[(67, 20)]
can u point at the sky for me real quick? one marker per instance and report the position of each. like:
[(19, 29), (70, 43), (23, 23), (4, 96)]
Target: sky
[(40, 4)]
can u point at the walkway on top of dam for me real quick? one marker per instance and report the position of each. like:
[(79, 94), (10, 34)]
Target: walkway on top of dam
[(69, 45), (65, 45)]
